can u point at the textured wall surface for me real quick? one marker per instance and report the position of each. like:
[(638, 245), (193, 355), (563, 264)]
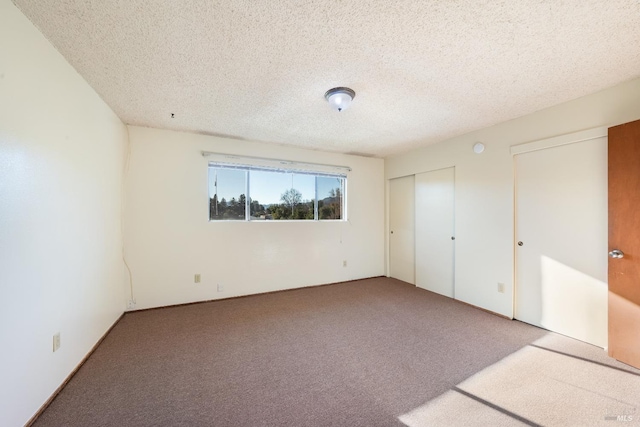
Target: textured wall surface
[(61, 160), (484, 199), (423, 71), (168, 237)]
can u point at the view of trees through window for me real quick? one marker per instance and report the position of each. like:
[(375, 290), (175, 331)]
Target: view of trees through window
[(274, 195)]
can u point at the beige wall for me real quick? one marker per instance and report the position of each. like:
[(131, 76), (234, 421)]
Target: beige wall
[(484, 200), (168, 237), (61, 157)]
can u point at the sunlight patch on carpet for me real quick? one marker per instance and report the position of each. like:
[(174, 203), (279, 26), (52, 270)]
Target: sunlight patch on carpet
[(537, 386)]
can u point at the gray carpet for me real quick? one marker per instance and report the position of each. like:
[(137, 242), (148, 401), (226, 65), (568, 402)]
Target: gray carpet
[(375, 352)]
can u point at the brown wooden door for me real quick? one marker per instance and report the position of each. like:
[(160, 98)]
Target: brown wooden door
[(624, 235)]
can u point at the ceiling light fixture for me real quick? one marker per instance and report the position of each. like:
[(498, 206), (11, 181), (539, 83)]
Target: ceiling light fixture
[(340, 97)]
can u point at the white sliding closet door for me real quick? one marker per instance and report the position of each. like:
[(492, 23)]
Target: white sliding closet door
[(435, 231), (561, 239), (401, 229)]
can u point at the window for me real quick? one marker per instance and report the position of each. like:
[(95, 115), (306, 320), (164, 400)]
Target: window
[(248, 193), (229, 200), (330, 195)]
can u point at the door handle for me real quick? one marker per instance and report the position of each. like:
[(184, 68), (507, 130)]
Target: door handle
[(616, 253)]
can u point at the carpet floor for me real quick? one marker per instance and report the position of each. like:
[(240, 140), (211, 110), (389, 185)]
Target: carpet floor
[(374, 352)]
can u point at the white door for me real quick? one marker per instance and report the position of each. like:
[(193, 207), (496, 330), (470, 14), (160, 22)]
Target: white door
[(435, 231), (561, 239), (401, 229)]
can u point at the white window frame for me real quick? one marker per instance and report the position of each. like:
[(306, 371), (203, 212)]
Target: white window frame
[(293, 170)]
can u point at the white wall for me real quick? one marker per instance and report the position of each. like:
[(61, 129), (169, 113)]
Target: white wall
[(61, 158), (168, 237), (484, 218)]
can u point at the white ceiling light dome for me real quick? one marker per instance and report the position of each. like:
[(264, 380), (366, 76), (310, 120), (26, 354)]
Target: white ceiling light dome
[(340, 98)]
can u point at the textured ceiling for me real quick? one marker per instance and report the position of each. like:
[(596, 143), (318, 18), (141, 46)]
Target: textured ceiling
[(423, 71)]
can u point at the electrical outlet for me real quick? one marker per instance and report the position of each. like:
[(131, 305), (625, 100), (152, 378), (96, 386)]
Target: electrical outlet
[(344, 263), (220, 288), (501, 288), (56, 342), (131, 304), (196, 278)]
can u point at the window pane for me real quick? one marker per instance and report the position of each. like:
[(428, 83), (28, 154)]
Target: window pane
[(330, 197), (282, 195), (227, 194), (266, 191), (263, 192), (305, 186)]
